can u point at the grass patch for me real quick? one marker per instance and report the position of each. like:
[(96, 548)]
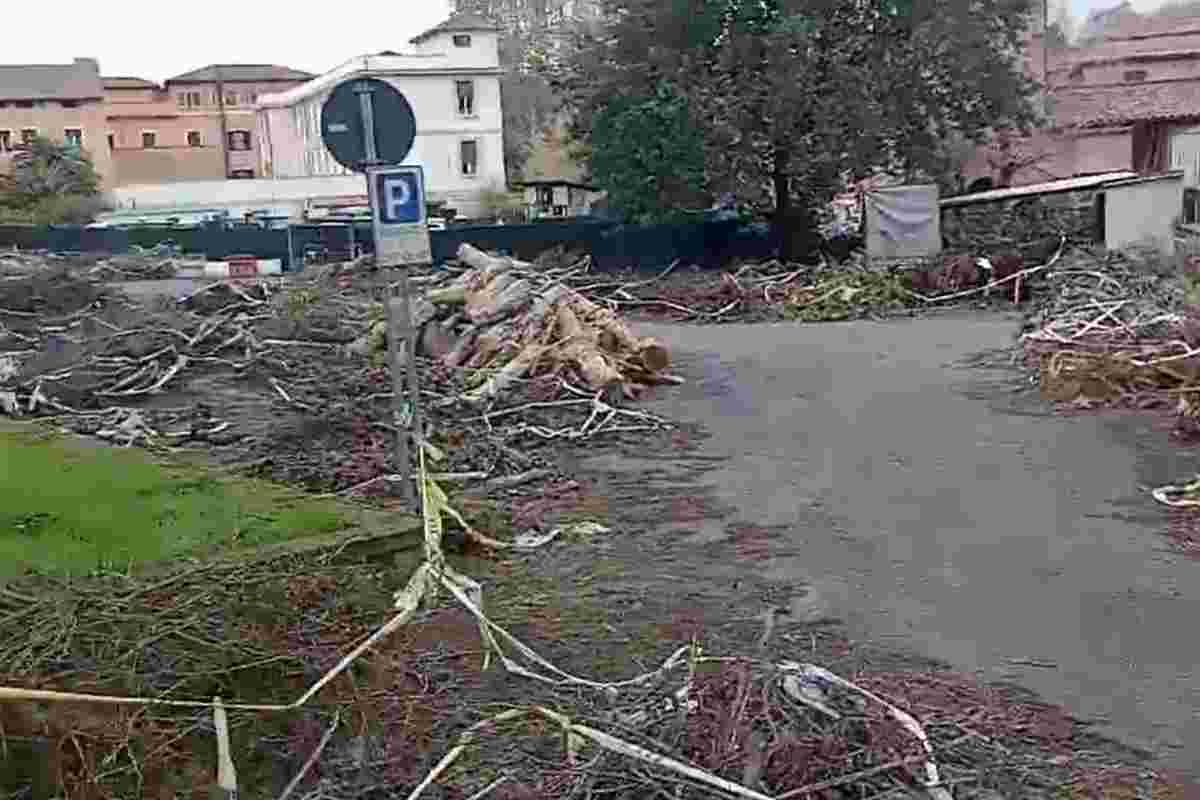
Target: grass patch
[(70, 507)]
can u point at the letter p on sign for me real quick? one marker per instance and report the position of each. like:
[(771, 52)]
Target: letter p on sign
[(400, 197)]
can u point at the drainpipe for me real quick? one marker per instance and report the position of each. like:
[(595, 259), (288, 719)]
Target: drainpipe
[(224, 122)]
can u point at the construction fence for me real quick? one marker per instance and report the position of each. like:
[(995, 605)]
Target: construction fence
[(611, 245)]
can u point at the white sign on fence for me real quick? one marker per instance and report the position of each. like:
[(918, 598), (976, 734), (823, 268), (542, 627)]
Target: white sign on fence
[(903, 222)]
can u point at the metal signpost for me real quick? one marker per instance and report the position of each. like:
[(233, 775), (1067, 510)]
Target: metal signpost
[(369, 127)]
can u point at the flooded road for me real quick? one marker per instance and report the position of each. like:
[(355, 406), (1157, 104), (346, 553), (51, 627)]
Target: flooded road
[(918, 498)]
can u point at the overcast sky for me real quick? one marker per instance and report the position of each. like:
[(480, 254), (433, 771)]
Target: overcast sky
[(138, 37), (1080, 8), (155, 41)]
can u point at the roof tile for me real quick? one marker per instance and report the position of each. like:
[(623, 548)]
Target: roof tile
[(457, 23), (78, 81), (242, 73)]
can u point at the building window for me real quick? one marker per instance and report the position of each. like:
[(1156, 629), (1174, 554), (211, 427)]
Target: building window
[(462, 40), (464, 91), (251, 97), (70, 104), (149, 139), (230, 99), (24, 104), (193, 138), (28, 135), (73, 136), (468, 157), (112, 141), (1135, 75), (239, 140), (242, 173), (5, 141), (189, 100)]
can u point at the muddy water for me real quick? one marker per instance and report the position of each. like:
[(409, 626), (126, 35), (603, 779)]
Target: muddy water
[(913, 495)]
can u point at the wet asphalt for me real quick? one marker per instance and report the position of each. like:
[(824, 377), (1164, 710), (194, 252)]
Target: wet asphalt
[(923, 495)]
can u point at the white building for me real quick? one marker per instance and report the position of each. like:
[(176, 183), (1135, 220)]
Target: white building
[(452, 81)]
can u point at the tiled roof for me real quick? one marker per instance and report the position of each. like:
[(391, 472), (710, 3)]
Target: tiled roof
[(1124, 49), (1136, 26), (123, 82), (457, 23), (78, 81), (242, 73), (1115, 105)]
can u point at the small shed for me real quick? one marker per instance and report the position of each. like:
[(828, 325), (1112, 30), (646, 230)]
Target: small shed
[(558, 197), (1143, 210)]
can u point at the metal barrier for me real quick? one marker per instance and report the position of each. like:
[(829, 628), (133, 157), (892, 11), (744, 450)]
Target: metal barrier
[(611, 245)]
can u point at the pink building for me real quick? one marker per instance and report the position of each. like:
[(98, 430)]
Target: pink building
[(198, 125), (1129, 102)]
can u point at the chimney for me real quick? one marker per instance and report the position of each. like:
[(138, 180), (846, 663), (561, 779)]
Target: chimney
[(91, 64)]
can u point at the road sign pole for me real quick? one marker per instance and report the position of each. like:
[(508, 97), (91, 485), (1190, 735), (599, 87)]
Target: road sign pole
[(399, 326)]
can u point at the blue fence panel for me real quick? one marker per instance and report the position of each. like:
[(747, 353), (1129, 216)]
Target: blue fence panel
[(612, 246)]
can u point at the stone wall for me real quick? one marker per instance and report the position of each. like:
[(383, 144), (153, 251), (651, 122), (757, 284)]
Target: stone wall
[(1020, 223)]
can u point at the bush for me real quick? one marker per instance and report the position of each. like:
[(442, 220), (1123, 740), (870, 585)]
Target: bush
[(67, 209)]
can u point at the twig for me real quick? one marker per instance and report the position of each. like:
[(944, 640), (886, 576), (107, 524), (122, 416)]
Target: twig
[(312, 759), (485, 791)]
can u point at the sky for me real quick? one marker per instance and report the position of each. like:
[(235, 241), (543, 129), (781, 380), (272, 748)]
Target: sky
[(147, 39), (138, 38), (1080, 8)]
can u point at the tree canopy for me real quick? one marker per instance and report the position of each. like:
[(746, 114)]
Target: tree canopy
[(787, 99), (42, 167), (50, 182)]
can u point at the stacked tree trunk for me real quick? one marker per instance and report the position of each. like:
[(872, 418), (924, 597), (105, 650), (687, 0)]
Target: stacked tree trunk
[(503, 317)]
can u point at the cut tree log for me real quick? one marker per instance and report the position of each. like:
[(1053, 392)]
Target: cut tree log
[(514, 322), (510, 373), (489, 305), (581, 348), (448, 295)]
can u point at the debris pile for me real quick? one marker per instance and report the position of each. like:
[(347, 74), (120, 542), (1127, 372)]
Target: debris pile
[(1113, 327), (773, 291), (139, 264), (274, 379), (505, 321)]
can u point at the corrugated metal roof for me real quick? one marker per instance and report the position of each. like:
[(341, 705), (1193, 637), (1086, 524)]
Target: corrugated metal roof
[(1050, 187), (78, 81)]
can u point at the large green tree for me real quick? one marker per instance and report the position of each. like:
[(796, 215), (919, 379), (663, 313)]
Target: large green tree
[(791, 98), (50, 182), (42, 168)]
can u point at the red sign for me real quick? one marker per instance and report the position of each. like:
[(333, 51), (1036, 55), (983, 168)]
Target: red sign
[(243, 268)]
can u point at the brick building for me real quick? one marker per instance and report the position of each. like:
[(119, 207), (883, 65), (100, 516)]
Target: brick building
[(61, 102), (198, 125)]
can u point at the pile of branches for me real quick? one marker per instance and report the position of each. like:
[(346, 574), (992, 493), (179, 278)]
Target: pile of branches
[(270, 379), (773, 291), (137, 265), (1114, 327), (512, 322)]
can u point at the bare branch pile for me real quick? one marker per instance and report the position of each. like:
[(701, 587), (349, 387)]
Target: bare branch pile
[(274, 377), (1114, 328)]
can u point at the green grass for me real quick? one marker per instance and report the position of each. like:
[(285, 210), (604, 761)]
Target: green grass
[(71, 507)]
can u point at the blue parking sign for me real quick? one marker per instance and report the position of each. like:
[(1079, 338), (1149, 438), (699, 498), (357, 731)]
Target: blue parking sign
[(400, 194), (398, 216)]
